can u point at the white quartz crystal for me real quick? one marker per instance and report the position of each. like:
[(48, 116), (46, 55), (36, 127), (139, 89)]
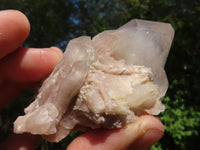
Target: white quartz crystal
[(106, 81)]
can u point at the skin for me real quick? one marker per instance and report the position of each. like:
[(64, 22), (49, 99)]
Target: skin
[(22, 67)]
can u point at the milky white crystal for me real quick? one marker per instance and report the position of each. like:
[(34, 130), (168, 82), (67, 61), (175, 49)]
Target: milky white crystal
[(106, 81)]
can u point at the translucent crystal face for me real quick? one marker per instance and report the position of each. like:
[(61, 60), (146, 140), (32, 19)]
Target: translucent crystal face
[(106, 81), (140, 42)]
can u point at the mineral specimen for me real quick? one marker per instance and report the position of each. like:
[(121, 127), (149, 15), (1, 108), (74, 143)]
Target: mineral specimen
[(106, 81)]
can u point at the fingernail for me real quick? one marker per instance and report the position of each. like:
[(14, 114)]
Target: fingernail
[(57, 51), (147, 140)]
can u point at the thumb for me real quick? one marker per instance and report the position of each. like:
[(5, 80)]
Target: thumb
[(139, 135)]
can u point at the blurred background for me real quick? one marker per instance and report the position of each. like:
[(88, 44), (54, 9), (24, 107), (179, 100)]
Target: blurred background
[(55, 22)]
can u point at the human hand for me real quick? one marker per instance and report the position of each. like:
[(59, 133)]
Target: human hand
[(21, 68)]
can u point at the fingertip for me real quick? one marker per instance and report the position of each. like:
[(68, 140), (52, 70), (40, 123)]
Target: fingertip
[(147, 140), (145, 123), (140, 134), (16, 14), (14, 29), (29, 64), (149, 130), (38, 63), (57, 51)]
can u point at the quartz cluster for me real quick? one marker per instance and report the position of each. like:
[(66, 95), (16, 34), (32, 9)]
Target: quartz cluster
[(106, 81)]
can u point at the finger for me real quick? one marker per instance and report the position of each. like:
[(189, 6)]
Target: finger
[(14, 29), (29, 64), (21, 142), (147, 140), (23, 68), (146, 130)]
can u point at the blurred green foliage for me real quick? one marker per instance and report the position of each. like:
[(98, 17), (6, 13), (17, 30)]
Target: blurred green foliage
[(56, 22)]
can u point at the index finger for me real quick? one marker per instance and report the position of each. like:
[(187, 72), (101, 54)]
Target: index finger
[(14, 29)]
